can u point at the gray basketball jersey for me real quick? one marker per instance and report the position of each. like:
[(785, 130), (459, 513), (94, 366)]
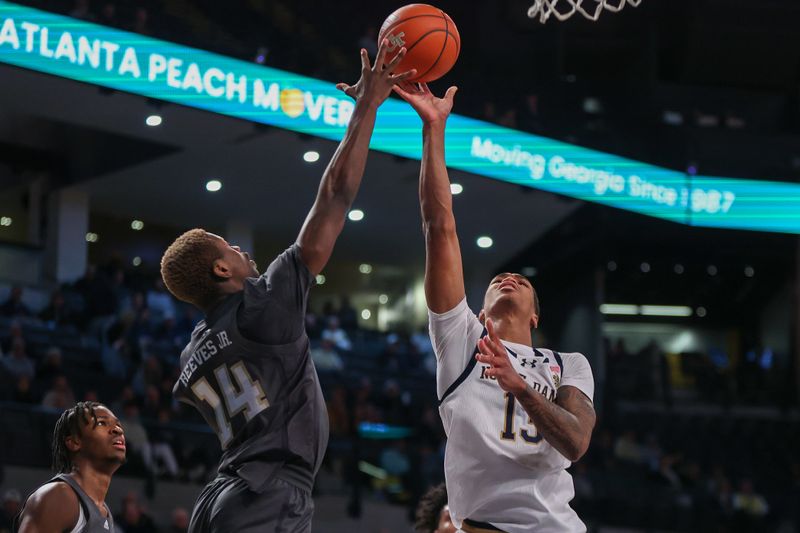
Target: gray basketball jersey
[(262, 400), (94, 521)]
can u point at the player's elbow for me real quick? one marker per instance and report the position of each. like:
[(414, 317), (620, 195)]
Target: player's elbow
[(578, 449), (338, 188), (436, 226)]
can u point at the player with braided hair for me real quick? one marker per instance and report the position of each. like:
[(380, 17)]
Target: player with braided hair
[(88, 447)]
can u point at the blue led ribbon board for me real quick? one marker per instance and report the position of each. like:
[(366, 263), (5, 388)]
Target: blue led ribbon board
[(108, 57)]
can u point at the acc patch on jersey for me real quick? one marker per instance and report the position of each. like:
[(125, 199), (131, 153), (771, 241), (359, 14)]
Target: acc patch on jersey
[(556, 370)]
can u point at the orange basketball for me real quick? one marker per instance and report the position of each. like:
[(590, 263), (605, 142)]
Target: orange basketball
[(430, 37)]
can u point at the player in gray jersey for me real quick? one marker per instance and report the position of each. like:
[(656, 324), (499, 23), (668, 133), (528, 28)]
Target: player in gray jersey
[(88, 447), (247, 367), (515, 416)]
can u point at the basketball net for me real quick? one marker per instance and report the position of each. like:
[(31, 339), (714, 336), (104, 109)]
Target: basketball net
[(591, 9)]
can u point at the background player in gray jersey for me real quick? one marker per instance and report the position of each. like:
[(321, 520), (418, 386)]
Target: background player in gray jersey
[(88, 447), (247, 368)]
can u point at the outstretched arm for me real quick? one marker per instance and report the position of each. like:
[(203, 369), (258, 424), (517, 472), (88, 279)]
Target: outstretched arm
[(342, 177), (566, 424), (444, 275)]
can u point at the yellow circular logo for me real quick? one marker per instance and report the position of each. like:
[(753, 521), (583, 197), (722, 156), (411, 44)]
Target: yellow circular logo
[(292, 102)]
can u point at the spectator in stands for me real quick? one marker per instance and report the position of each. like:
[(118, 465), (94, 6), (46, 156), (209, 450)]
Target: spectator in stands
[(126, 396), (14, 332), (12, 505), (142, 448), (160, 302), (627, 448), (60, 395), (348, 318), (17, 363), (122, 295), (312, 324), (52, 365), (369, 40), (149, 373), (748, 503), (99, 301), (117, 357), (338, 414), (180, 521), (394, 403), (57, 314), (152, 402), (365, 409), (421, 340), (167, 334), (395, 461), (164, 442), (23, 391), (14, 307), (325, 357), (132, 517), (337, 335), (136, 438), (391, 356)]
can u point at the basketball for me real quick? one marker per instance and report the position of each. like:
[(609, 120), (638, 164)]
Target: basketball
[(430, 37)]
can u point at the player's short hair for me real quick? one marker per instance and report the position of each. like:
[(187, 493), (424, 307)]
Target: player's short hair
[(430, 508), (69, 424), (186, 268)]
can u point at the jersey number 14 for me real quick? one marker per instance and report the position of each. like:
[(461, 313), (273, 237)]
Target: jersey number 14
[(249, 398)]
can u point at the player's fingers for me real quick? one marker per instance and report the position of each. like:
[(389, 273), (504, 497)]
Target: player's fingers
[(365, 60), (491, 331), (381, 54), (487, 347), (401, 92), (424, 88), (483, 358), (404, 75), (451, 92), (397, 59), (342, 87)]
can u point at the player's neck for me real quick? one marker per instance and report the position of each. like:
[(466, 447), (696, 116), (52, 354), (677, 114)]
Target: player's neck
[(511, 329), (93, 481), (226, 289)]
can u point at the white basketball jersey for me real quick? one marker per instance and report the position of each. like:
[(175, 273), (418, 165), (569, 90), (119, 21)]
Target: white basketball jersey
[(498, 469)]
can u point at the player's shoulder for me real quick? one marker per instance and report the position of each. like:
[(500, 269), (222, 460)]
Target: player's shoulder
[(565, 357), (53, 499)]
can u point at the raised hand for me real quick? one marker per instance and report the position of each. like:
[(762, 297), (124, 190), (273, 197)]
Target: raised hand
[(376, 80), (492, 352), (432, 110)]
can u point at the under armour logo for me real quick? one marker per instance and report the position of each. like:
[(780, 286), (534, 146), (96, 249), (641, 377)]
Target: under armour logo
[(527, 362), (395, 41)]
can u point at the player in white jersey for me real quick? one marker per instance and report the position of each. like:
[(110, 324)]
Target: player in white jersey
[(515, 416)]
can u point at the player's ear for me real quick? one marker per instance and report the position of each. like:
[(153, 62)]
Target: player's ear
[(73, 443), (482, 317), (221, 268), (534, 321)]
